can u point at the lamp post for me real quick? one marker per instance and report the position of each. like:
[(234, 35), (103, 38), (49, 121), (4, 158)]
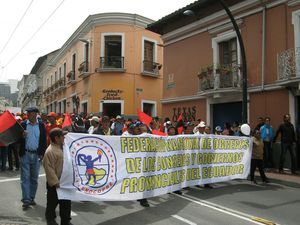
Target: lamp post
[(243, 55)]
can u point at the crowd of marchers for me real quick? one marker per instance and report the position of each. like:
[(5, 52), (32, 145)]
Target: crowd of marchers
[(43, 139)]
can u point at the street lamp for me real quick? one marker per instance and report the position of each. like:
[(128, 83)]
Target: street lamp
[(244, 62)]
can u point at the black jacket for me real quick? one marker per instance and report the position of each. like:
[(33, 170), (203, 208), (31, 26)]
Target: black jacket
[(287, 132)]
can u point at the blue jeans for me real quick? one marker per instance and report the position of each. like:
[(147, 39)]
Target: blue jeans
[(30, 166)]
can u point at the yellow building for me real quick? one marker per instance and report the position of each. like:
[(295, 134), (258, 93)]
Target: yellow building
[(111, 64)]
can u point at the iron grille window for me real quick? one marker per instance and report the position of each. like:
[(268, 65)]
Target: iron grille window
[(148, 56), (113, 51)]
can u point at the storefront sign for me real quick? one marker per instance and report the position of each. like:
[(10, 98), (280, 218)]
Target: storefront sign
[(189, 113), (110, 94)]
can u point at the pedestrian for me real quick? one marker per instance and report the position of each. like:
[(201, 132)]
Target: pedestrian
[(3, 156), (140, 129), (287, 131), (257, 157), (188, 128), (52, 123), (104, 129), (94, 121), (218, 130), (53, 164), (260, 123), (13, 152), (32, 149), (199, 129), (207, 129), (118, 125), (267, 135), (172, 131)]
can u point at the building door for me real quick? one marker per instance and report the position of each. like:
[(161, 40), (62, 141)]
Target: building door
[(112, 108), (227, 112)]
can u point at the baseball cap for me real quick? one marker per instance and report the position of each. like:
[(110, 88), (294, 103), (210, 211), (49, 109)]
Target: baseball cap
[(95, 118), (218, 129), (52, 114), (201, 124)]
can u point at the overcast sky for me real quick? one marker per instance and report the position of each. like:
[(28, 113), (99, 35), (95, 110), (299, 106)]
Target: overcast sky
[(33, 28)]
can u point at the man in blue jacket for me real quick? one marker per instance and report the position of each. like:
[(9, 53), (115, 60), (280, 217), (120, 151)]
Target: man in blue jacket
[(33, 146)]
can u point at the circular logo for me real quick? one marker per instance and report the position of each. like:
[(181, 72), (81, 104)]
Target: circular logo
[(94, 164)]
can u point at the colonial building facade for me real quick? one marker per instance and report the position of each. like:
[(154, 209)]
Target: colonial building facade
[(111, 64), (202, 61)]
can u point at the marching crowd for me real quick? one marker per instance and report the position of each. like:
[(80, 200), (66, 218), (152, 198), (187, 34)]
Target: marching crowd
[(46, 131)]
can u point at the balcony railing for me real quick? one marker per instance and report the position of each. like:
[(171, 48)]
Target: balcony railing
[(112, 62), (151, 67), (288, 64), (83, 67), (71, 77), (220, 78)]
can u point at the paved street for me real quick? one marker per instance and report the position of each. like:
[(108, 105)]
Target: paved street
[(237, 202)]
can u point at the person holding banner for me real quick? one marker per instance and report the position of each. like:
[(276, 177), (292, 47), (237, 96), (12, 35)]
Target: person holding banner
[(257, 157), (53, 164), (141, 128), (104, 129)]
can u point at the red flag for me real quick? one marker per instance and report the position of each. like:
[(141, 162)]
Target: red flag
[(180, 117), (156, 132), (10, 130), (144, 117), (180, 122), (179, 130), (67, 121)]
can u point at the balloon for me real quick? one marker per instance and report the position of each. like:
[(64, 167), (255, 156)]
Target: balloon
[(245, 129)]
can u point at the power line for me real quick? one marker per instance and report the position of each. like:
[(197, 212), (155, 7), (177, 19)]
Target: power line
[(11, 35), (32, 36)]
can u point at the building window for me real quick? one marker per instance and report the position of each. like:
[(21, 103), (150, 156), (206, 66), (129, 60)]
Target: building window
[(86, 57), (149, 57), (228, 52), (59, 72), (55, 76), (149, 107), (84, 107), (64, 106), (226, 49), (112, 51), (65, 69), (73, 66)]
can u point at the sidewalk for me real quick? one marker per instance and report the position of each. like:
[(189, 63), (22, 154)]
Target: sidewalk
[(286, 178)]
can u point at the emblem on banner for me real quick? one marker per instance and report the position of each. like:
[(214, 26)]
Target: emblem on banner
[(94, 165)]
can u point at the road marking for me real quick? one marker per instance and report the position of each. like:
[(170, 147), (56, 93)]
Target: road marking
[(184, 220), (225, 210), (18, 178), (41, 175)]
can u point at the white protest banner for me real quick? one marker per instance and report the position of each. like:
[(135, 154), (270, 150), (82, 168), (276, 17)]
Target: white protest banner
[(116, 168)]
